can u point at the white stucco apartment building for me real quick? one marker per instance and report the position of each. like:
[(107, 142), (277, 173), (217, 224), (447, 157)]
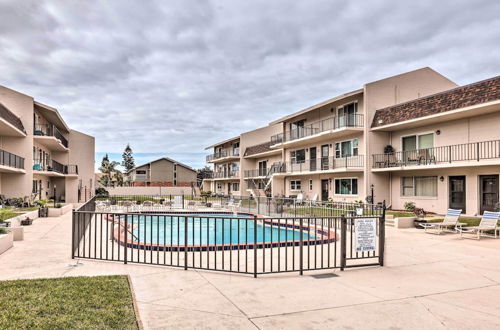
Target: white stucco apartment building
[(416, 136), (40, 154)]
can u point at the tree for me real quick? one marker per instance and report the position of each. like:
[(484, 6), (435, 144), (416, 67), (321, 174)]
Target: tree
[(203, 173), (128, 159), (118, 177), (107, 168)]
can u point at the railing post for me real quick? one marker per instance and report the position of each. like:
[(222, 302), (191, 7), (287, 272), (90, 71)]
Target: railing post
[(125, 254), (477, 151), (255, 246), (301, 253), (185, 243), (73, 234), (381, 238), (449, 154), (343, 242)]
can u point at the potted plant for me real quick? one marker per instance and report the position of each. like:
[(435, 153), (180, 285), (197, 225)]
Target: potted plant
[(43, 210), (388, 149)]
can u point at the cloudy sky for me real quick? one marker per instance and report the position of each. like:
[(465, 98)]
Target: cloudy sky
[(171, 77)]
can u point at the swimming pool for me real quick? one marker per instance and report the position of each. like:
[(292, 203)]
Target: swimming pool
[(209, 231), (213, 229)]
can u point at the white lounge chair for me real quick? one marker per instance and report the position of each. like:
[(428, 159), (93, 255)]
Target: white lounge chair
[(450, 220), (489, 222), (299, 199)]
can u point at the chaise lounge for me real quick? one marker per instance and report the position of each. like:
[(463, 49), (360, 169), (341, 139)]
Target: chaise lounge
[(489, 222), (450, 220)]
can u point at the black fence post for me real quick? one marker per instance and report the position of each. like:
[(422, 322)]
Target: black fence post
[(125, 254), (381, 239), (343, 242), (301, 252), (255, 246), (185, 243)]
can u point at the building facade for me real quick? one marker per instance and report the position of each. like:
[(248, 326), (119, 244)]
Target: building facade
[(40, 155), (416, 137), (163, 172)]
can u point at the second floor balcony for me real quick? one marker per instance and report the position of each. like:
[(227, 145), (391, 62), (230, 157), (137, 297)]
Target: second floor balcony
[(223, 175), (324, 164), (457, 155), (335, 126), (54, 168), (50, 136), (224, 154), (11, 163)]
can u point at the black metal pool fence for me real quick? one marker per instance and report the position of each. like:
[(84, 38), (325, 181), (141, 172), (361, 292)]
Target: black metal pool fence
[(314, 237)]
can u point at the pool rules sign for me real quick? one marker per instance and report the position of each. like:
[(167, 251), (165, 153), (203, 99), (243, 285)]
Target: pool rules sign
[(366, 233)]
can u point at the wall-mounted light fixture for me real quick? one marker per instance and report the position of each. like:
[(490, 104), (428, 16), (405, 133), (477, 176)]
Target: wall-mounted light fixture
[(441, 178), (438, 132)]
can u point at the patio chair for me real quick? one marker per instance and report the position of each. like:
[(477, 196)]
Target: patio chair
[(191, 205), (489, 222), (299, 199), (450, 220)]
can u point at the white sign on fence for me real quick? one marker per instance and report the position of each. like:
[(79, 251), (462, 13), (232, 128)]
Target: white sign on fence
[(366, 233)]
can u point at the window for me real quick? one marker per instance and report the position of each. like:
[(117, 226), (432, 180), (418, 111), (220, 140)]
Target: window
[(310, 185), (419, 186), (140, 172), (346, 148), (415, 142), (219, 186), (297, 129), (347, 114), (295, 185), (235, 186), (298, 156), (346, 186)]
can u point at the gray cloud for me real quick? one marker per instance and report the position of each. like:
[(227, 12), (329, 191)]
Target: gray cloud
[(171, 77)]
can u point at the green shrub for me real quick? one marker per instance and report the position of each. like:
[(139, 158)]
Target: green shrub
[(409, 206), (3, 231), (6, 213)]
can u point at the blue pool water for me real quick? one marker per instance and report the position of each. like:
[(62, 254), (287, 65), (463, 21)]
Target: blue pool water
[(202, 230)]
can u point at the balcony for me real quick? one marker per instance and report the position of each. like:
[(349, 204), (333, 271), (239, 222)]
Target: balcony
[(49, 136), (323, 165), (10, 163), (54, 168), (226, 175), (458, 155), (335, 126), (10, 124), (258, 173), (224, 155)]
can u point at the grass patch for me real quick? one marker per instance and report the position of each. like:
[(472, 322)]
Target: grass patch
[(469, 221), (67, 303), (400, 214)]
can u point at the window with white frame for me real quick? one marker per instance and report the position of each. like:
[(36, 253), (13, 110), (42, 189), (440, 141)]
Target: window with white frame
[(346, 148), (310, 185), (235, 186), (346, 186), (419, 186), (295, 185), (219, 186), (298, 156)]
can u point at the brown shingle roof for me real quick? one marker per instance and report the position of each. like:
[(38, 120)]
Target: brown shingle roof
[(257, 149), (456, 98)]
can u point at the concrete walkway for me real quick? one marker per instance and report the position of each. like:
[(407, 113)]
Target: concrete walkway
[(429, 282)]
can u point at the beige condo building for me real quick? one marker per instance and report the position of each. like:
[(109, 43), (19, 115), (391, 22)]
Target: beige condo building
[(39, 154), (416, 136)]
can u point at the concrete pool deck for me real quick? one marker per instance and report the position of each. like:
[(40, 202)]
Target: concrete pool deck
[(429, 281)]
